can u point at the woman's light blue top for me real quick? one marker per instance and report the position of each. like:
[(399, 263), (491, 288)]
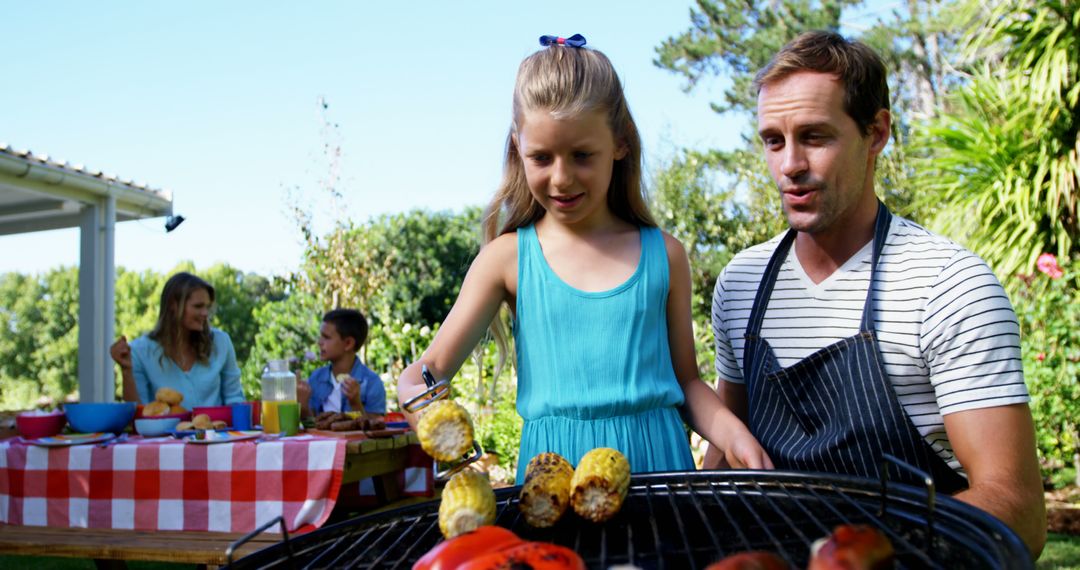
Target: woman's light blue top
[(594, 368), (212, 384)]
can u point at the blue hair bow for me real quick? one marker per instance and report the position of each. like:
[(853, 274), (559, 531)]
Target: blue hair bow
[(576, 40)]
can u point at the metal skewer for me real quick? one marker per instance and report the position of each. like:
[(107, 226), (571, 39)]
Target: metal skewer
[(436, 390)]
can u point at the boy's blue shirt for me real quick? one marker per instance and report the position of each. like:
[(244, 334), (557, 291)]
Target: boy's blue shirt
[(372, 392)]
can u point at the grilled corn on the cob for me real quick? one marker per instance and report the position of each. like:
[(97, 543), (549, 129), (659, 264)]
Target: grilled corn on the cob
[(445, 431), (468, 502), (600, 483), (546, 492)]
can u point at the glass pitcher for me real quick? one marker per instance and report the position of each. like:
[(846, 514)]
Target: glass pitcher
[(279, 405)]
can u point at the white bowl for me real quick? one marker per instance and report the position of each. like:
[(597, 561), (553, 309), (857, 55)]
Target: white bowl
[(153, 427)]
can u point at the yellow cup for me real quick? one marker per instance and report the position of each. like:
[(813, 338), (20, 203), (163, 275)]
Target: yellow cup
[(270, 417)]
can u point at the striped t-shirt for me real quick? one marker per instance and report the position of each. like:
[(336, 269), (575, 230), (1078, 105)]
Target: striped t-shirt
[(947, 333)]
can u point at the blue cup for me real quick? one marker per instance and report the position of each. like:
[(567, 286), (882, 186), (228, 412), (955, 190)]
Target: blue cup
[(241, 416)]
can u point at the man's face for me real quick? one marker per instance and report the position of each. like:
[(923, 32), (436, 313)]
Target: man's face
[(821, 162)]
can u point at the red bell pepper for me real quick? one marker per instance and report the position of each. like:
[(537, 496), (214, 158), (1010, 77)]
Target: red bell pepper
[(533, 555), (451, 554), (753, 560), (852, 546)]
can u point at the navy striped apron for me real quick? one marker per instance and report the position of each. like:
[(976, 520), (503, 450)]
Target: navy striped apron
[(834, 411)]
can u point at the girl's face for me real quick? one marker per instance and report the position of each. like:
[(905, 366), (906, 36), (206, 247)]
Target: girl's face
[(568, 163), (196, 310)]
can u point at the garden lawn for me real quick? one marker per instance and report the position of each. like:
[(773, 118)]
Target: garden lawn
[(1062, 552)]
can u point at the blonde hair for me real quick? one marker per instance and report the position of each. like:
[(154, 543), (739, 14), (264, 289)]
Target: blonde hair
[(170, 323), (566, 82)]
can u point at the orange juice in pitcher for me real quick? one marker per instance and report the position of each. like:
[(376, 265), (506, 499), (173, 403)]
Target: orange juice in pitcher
[(278, 389)]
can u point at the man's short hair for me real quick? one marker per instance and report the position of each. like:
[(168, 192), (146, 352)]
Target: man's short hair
[(349, 323), (853, 63)]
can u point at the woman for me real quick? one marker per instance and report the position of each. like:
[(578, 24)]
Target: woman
[(182, 352)]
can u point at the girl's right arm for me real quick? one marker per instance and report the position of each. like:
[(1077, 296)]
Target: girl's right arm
[(491, 280)]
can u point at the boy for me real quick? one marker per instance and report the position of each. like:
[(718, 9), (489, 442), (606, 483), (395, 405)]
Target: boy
[(345, 384)]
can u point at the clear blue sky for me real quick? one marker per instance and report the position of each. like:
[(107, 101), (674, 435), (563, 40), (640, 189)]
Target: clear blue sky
[(217, 102)]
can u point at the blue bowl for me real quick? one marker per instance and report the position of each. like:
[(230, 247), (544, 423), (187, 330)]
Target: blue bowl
[(100, 416), (153, 427)]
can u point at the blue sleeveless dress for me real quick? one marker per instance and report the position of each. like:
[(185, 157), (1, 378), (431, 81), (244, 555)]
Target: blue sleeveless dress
[(594, 368)]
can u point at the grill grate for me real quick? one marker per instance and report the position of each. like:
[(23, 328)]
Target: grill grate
[(689, 520)]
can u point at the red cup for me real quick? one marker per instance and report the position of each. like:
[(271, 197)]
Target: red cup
[(256, 412)]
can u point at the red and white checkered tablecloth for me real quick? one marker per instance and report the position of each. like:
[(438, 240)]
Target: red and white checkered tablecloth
[(170, 485)]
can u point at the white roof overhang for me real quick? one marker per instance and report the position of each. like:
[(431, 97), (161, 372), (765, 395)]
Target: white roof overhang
[(38, 193)]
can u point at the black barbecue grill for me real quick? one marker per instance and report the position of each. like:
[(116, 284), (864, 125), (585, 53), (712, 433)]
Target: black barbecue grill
[(689, 520)]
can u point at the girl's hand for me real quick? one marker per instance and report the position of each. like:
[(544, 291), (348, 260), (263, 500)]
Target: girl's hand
[(120, 352), (742, 451)]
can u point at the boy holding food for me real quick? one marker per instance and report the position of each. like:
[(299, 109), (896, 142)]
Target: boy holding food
[(345, 384)]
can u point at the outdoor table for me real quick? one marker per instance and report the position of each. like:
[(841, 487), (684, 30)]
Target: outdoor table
[(160, 499)]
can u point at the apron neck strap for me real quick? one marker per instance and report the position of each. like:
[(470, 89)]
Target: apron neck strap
[(881, 232), (772, 270)]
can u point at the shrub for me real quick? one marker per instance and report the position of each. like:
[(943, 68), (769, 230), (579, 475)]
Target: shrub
[(1049, 313)]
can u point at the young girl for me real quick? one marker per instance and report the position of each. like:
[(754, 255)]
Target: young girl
[(600, 297)]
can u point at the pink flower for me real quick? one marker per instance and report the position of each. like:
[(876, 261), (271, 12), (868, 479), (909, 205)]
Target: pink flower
[(1048, 264), (1040, 357)]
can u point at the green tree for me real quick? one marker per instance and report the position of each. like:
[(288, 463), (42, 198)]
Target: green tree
[(284, 329), (239, 295), (1001, 170), (20, 316), (41, 337), (403, 271), (402, 268), (56, 356)]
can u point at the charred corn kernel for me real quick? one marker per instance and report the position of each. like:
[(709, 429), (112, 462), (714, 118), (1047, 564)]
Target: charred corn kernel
[(600, 483), (468, 502), (546, 492), (445, 431)]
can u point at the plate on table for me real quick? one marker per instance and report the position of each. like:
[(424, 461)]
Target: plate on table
[(71, 439), (223, 436)]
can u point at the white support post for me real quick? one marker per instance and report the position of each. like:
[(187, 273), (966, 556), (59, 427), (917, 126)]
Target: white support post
[(96, 301)]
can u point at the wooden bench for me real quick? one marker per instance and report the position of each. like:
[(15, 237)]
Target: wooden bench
[(108, 544)]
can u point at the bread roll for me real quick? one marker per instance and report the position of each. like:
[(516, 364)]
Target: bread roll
[(155, 409), (169, 396), (202, 421)]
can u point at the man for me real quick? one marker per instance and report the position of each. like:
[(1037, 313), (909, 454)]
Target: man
[(830, 372)]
